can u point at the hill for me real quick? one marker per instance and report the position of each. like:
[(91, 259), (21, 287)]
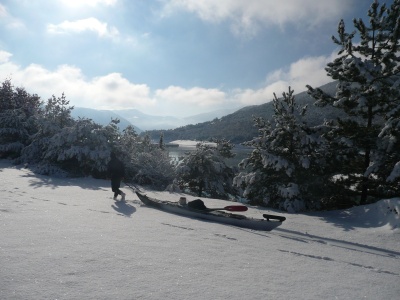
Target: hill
[(239, 127), (102, 117), (231, 124), (141, 121), (150, 122)]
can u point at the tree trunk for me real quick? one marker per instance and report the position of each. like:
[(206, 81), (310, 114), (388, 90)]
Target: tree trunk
[(201, 186), (367, 158)]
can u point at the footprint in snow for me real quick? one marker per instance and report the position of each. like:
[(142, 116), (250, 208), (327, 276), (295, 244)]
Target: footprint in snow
[(224, 236)]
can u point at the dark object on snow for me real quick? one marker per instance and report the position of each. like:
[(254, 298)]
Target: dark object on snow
[(197, 204), (115, 167), (210, 214), (116, 171), (274, 217)]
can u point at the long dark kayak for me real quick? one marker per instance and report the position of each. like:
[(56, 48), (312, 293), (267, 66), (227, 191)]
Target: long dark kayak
[(210, 215)]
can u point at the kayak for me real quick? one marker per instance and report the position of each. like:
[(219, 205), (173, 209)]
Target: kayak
[(213, 215)]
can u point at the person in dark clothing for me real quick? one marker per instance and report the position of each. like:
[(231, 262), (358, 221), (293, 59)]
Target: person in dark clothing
[(116, 171)]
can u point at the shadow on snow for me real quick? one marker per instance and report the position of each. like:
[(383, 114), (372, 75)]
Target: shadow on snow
[(123, 208), (307, 238)]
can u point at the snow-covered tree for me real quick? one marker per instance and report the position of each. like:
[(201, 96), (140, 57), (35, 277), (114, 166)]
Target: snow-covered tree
[(386, 160), (149, 164), (130, 140), (205, 172), (161, 143), (56, 115), (128, 145), (13, 132), (224, 148), (18, 118), (368, 75), (287, 161), (54, 143), (58, 112), (80, 149)]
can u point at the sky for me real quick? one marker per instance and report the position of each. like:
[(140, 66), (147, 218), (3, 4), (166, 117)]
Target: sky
[(170, 57)]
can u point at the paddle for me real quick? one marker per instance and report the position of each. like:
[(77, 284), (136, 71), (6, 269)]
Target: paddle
[(230, 208)]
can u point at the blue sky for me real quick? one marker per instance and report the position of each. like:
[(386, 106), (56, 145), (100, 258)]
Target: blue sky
[(170, 57)]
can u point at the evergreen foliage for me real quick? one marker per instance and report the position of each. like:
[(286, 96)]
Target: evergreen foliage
[(151, 164), (51, 142), (204, 171), (368, 75), (53, 119), (81, 149), (18, 118), (287, 161)]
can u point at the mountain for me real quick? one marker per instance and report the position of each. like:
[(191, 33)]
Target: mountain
[(146, 122), (234, 125), (141, 121), (102, 117), (239, 127), (149, 122), (209, 116)]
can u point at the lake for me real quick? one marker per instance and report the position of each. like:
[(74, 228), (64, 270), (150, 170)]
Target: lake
[(178, 149)]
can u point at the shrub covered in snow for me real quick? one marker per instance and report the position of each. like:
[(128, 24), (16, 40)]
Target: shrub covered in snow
[(205, 172), (149, 164), (51, 142), (81, 149)]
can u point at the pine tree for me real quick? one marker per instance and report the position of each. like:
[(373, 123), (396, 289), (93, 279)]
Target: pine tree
[(386, 160), (161, 143), (224, 148), (57, 112), (55, 116), (205, 172), (287, 160), (151, 165), (81, 149), (368, 75), (19, 112)]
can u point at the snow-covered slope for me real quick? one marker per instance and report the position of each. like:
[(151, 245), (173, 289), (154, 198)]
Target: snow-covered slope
[(67, 239)]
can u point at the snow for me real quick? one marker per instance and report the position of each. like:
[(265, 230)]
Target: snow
[(191, 143), (395, 173), (64, 238)]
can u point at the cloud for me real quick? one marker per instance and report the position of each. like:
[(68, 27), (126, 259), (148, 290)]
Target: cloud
[(111, 91), (183, 102), (7, 68), (114, 91), (3, 11), (89, 24), (76, 3), (246, 17), (196, 96), (308, 70), (4, 56), (10, 21)]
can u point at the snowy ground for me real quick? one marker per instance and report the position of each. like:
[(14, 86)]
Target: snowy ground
[(67, 239)]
